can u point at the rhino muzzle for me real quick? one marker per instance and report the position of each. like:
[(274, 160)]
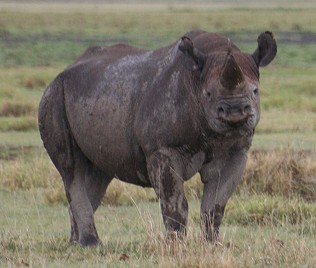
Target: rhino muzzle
[(233, 111)]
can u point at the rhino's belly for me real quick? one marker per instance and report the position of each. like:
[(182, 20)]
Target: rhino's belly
[(123, 165), (115, 155), (107, 140)]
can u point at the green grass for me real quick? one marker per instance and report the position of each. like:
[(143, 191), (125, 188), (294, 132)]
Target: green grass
[(14, 139), (258, 229), (267, 141), (270, 221), (57, 37), (36, 234), (288, 88), (21, 124), (162, 18)]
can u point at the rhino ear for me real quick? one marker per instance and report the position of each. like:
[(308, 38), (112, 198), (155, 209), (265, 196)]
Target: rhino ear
[(266, 51), (187, 48)]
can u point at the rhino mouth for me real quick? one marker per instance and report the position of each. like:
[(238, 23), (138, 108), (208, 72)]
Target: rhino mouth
[(236, 121), (233, 119)]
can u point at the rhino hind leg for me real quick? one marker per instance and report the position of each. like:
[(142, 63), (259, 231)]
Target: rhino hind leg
[(74, 232), (75, 169), (81, 216), (82, 206), (166, 175), (96, 183), (95, 186)]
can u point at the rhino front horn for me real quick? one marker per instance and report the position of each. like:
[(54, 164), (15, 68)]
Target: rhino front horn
[(231, 75)]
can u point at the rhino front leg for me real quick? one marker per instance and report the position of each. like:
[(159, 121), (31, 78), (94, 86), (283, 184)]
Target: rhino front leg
[(220, 180), (166, 176)]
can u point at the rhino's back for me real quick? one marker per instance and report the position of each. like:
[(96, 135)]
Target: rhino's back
[(108, 54)]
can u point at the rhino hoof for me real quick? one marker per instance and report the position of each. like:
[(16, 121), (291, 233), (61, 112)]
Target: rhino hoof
[(90, 241)]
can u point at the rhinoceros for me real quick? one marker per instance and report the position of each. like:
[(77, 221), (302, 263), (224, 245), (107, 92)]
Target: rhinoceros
[(154, 118)]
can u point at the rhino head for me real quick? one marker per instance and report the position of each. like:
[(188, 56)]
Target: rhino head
[(229, 82)]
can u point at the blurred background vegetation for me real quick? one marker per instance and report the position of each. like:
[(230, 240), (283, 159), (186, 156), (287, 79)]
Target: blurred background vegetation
[(39, 39)]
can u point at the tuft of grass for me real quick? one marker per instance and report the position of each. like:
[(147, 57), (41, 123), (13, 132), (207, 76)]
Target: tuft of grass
[(34, 83), (286, 172), (18, 108), (26, 174), (55, 193)]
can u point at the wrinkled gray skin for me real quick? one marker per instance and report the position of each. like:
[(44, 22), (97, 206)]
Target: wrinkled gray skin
[(154, 119)]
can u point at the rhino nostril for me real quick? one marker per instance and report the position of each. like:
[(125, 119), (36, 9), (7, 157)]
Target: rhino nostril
[(247, 109), (220, 110)]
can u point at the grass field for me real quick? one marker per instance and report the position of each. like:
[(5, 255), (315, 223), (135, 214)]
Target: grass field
[(270, 220)]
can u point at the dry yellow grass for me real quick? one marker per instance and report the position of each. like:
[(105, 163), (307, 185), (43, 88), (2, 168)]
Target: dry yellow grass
[(285, 172)]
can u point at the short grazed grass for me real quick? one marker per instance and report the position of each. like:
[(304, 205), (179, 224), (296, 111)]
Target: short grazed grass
[(57, 37), (13, 140)]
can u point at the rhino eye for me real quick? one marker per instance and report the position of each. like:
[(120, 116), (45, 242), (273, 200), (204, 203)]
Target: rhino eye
[(207, 94), (256, 91)]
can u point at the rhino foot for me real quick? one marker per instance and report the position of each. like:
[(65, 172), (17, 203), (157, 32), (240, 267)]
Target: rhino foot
[(89, 241)]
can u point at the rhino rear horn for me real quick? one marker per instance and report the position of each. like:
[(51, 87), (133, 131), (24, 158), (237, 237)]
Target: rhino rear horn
[(267, 49), (187, 48), (231, 75)]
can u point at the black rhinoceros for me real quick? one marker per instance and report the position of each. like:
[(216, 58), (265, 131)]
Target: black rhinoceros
[(154, 119)]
